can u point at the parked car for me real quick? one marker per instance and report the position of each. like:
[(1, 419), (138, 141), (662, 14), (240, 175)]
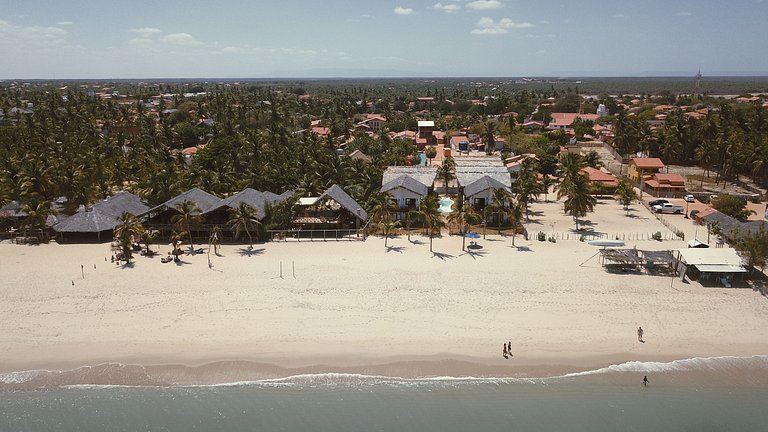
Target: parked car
[(667, 208), (712, 198), (658, 202), (689, 198)]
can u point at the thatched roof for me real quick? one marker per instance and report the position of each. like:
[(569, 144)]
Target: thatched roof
[(621, 256), (406, 182), (482, 184), (102, 215), (252, 197), (423, 174), (658, 257), (202, 199), (12, 210), (337, 194)]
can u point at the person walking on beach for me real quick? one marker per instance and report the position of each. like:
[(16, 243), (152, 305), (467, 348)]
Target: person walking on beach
[(640, 334), (509, 349), (645, 381), (505, 352)]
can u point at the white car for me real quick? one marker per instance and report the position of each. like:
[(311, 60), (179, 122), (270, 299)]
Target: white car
[(689, 198), (667, 208)]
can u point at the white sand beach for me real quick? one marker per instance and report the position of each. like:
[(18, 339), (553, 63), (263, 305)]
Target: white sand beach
[(344, 303)]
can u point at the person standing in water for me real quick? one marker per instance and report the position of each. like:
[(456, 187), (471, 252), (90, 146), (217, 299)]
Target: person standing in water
[(645, 381)]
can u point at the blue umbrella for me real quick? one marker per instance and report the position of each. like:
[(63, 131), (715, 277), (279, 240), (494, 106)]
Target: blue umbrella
[(472, 235)]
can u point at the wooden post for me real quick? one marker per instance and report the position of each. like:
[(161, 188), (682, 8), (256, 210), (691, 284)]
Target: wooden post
[(293, 268)]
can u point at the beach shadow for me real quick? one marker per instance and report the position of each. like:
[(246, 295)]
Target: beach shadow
[(442, 256), (129, 265), (250, 252), (522, 248), (181, 262), (398, 249), (416, 242), (476, 253)]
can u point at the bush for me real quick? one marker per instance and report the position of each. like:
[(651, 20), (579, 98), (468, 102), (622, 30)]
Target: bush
[(657, 236), (541, 236)]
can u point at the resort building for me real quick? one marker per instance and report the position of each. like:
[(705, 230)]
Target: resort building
[(159, 218), (602, 180), (426, 137), (220, 214), (479, 177), (408, 185), (639, 168), (98, 221), (665, 185), (333, 210), (563, 121)]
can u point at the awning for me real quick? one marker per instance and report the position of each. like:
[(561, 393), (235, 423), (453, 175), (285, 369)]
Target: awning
[(721, 268)]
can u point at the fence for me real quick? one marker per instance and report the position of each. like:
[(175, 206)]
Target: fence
[(313, 235), (679, 235), (626, 236)]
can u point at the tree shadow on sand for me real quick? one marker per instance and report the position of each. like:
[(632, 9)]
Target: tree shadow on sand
[(250, 252), (398, 249), (474, 253), (416, 242), (522, 248), (443, 256)]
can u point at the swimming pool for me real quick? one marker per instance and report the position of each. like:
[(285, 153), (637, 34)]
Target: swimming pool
[(445, 205)]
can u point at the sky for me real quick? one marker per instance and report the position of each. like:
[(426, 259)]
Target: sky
[(100, 39)]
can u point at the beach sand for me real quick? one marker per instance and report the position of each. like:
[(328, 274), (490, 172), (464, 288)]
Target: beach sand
[(359, 307)]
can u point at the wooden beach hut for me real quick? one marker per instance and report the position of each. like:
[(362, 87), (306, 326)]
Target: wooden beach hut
[(97, 222)]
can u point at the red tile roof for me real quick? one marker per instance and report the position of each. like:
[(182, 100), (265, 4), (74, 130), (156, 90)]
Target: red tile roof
[(595, 175), (648, 163)]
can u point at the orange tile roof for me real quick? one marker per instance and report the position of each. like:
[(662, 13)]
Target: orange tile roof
[(670, 178), (655, 185), (648, 162), (595, 175)]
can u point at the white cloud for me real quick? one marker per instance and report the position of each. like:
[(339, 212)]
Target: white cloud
[(447, 8), (403, 11), (64, 23), (141, 41), (619, 16), (184, 39), (541, 52), (145, 31), (484, 4), (683, 14), (487, 26), (12, 34)]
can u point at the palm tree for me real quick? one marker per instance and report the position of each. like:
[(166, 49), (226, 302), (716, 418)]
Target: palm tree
[(463, 216), (148, 237), (127, 230), (445, 172), (499, 206), (546, 183), (579, 201), (489, 136), (241, 217), (37, 215), (515, 214), (382, 204), (625, 194), (214, 240), (176, 239), (430, 152), (388, 227), (189, 215), (429, 215)]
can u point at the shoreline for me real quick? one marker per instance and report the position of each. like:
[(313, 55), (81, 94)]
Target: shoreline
[(355, 304), (710, 371)]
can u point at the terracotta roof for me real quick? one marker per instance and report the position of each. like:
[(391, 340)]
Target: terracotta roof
[(655, 185), (595, 175), (648, 162), (670, 178)]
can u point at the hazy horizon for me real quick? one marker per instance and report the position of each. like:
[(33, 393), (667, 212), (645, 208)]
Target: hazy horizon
[(406, 39)]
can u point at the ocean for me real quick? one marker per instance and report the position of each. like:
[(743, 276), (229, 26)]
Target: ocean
[(714, 394)]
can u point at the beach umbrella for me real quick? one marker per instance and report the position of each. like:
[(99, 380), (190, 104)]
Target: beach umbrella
[(473, 236)]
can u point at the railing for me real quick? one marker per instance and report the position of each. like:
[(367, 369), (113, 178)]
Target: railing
[(586, 236), (318, 234)]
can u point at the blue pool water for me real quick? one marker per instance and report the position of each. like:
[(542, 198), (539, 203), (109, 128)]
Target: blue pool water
[(445, 205)]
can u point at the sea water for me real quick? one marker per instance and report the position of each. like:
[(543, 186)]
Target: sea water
[(602, 400)]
